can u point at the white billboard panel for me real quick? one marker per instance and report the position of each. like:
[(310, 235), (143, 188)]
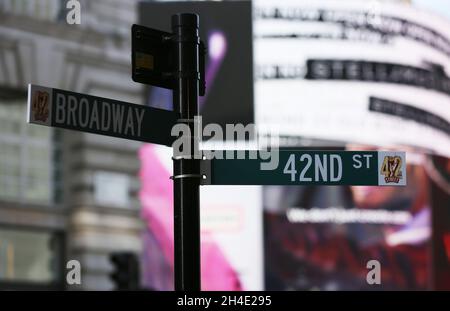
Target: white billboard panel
[(353, 71)]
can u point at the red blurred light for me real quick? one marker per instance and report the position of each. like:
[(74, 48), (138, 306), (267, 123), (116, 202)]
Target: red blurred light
[(447, 245)]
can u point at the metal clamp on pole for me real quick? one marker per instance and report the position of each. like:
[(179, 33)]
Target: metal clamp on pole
[(186, 168), (206, 172), (186, 121), (187, 175)]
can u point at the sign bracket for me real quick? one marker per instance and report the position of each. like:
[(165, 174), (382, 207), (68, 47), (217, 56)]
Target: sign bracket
[(205, 171)]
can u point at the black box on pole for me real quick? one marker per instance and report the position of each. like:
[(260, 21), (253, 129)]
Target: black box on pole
[(153, 58)]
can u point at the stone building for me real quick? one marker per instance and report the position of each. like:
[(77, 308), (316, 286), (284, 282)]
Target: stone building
[(64, 194)]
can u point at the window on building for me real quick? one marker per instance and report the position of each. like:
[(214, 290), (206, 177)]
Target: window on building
[(38, 9), (30, 257), (26, 157)]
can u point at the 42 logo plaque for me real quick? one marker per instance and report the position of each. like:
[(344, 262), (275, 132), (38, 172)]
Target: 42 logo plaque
[(392, 168), (40, 106)]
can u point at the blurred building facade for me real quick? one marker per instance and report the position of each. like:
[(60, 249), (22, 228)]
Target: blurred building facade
[(63, 194)]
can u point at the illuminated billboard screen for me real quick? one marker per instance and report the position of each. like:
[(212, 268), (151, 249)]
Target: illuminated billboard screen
[(349, 75), (355, 74), (231, 217), (323, 238), (353, 71)]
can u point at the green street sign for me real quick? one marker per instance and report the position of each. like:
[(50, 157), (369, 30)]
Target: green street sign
[(98, 115), (295, 167)]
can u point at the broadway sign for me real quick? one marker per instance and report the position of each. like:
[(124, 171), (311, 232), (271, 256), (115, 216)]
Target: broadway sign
[(75, 111)]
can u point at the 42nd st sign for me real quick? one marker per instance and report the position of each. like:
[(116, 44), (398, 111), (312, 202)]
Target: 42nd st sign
[(309, 167)]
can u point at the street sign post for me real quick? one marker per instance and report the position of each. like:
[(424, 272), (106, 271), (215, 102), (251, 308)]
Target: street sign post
[(186, 169), (98, 115), (307, 167), (176, 61), (170, 60)]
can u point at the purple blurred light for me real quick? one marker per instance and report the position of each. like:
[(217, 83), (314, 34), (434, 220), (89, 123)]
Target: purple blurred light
[(217, 45)]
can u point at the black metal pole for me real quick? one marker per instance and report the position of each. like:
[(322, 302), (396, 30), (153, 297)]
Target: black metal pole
[(186, 169)]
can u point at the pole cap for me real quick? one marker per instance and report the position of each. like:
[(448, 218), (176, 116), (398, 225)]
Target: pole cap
[(185, 19)]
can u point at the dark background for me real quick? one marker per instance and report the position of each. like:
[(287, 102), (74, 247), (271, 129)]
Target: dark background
[(230, 96)]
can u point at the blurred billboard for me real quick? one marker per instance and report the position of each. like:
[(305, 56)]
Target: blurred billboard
[(226, 30), (335, 74), (231, 217), (372, 72), (323, 237)]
